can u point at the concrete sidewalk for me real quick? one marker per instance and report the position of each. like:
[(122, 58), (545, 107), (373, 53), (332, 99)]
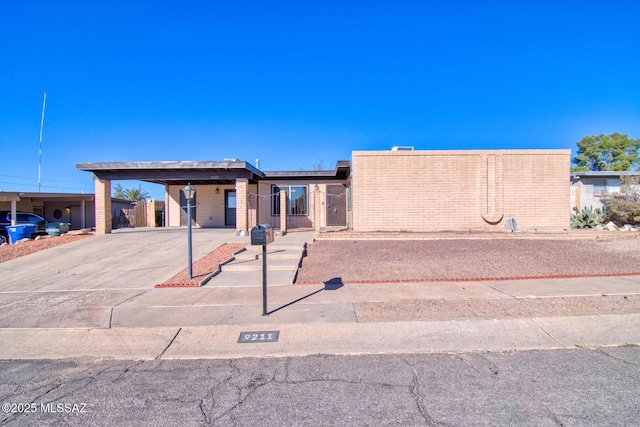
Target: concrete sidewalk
[(86, 310)]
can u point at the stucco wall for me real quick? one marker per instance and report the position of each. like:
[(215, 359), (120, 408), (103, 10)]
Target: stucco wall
[(450, 190), (210, 211)]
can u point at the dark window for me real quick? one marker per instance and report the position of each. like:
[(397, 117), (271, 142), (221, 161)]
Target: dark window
[(298, 199), (275, 200)]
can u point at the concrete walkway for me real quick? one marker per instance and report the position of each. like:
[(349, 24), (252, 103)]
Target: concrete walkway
[(283, 258), (95, 298)]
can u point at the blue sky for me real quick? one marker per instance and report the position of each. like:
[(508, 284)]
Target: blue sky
[(294, 82)]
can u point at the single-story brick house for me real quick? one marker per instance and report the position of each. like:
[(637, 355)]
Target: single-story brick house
[(76, 209), (588, 187), (73, 208), (375, 191)]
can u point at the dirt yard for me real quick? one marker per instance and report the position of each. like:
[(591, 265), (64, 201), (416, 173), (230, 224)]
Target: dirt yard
[(467, 259), (431, 260)]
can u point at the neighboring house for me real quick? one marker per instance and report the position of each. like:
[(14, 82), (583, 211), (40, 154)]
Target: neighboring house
[(588, 187), (395, 190), (76, 209)]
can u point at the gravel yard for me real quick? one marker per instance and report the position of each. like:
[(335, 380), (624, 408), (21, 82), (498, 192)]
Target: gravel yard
[(391, 261), (202, 267), (9, 252), (467, 259), (495, 308)]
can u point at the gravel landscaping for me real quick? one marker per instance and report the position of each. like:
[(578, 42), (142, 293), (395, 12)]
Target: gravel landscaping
[(203, 267), (360, 261), (495, 308)]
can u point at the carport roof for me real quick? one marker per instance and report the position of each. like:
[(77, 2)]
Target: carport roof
[(7, 196), (175, 172), (202, 172)]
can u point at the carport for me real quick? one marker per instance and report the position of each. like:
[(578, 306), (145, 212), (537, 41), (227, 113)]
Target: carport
[(234, 175), (64, 207), (232, 193)]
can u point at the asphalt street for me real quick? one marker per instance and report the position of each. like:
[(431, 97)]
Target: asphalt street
[(85, 339), (579, 387)]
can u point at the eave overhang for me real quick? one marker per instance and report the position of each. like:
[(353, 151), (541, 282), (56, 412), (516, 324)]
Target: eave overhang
[(175, 172)]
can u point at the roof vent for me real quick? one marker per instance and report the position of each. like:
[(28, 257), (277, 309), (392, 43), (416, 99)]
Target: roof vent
[(402, 148)]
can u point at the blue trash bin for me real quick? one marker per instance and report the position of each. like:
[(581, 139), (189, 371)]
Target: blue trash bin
[(19, 232)]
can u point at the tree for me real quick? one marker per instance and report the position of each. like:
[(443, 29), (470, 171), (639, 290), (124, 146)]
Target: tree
[(133, 194), (118, 192), (615, 152), (319, 166)]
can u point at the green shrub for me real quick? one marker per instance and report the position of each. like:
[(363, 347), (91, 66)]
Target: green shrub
[(621, 210), (624, 208)]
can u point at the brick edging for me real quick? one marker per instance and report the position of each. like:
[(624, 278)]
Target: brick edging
[(475, 279)]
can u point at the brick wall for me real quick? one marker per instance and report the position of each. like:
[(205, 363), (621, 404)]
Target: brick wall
[(450, 190), (103, 205)]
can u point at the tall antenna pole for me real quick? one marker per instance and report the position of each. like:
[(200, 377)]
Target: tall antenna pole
[(44, 102)]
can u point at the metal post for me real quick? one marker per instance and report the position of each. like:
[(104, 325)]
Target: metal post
[(264, 280), (189, 192), (189, 238)]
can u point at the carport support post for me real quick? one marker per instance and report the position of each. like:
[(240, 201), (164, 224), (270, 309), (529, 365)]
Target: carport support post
[(14, 210), (242, 198), (264, 280), (103, 205), (283, 212)]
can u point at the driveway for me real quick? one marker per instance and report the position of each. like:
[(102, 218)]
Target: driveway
[(77, 284)]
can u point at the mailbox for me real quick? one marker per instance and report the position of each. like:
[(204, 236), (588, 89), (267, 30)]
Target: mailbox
[(262, 234)]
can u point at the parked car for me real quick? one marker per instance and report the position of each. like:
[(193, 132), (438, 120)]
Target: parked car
[(22, 218)]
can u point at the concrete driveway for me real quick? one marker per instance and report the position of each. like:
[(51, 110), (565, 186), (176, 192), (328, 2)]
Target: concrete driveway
[(77, 284)]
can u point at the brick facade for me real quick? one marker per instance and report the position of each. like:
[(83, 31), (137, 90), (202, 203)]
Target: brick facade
[(452, 190), (242, 198), (103, 206)]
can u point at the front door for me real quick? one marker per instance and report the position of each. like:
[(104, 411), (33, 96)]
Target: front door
[(336, 206), (230, 208)]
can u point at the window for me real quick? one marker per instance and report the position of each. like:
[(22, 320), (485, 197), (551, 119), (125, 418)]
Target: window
[(604, 186), (275, 200), (298, 199)]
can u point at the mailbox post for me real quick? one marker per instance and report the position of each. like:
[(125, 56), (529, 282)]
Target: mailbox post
[(263, 235)]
